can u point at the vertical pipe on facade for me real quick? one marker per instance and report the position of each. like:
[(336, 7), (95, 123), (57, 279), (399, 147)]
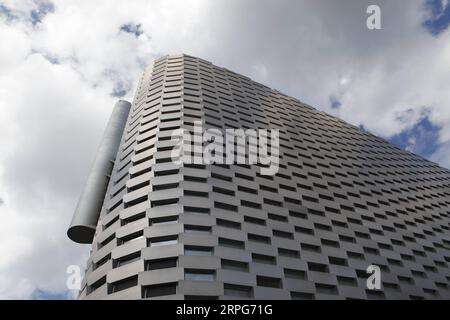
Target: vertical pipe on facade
[(85, 218)]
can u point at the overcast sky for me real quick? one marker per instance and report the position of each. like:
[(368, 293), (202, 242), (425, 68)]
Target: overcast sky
[(63, 64)]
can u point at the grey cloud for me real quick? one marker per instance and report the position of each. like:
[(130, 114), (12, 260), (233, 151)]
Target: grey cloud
[(290, 38), (44, 174), (60, 140), (307, 48)]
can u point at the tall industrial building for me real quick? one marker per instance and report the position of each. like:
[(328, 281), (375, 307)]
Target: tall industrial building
[(342, 200)]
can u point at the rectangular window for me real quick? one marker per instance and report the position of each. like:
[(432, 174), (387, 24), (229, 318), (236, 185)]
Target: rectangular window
[(258, 238), (248, 219), (250, 204), (195, 179), (237, 291), (288, 253), (123, 284), (163, 241), (132, 237), (198, 251), (338, 261), (301, 296), (100, 282), (225, 206), (189, 209), (164, 220), (295, 274), (133, 218), (268, 282), (197, 229), (161, 263), (317, 267), (164, 202), (128, 259), (326, 288), (192, 193), (199, 275), (283, 234), (102, 261), (106, 241), (231, 243), (234, 265), (277, 217), (223, 191), (347, 281), (228, 223), (310, 247), (158, 290), (261, 258), (248, 190)]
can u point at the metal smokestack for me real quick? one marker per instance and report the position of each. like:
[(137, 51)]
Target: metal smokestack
[(84, 221)]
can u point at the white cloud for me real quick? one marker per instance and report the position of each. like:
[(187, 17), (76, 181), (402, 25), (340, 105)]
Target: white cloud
[(442, 155), (48, 118), (19, 45), (52, 114)]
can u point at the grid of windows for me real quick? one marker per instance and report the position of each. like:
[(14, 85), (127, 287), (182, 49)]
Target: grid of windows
[(342, 199)]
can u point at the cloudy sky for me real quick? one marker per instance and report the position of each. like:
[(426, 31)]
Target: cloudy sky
[(63, 64)]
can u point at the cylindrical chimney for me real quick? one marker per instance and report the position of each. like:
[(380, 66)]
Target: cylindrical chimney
[(85, 218)]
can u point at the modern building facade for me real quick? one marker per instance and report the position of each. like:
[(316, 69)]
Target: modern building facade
[(342, 200)]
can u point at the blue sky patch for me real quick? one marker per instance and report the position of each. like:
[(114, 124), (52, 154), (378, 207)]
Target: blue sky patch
[(43, 8), (51, 59), (361, 127), (421, 139), (39, 294), (6, 12), (119, 90), (439, 19), (132, 28), (35, 16), (335, 103)]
